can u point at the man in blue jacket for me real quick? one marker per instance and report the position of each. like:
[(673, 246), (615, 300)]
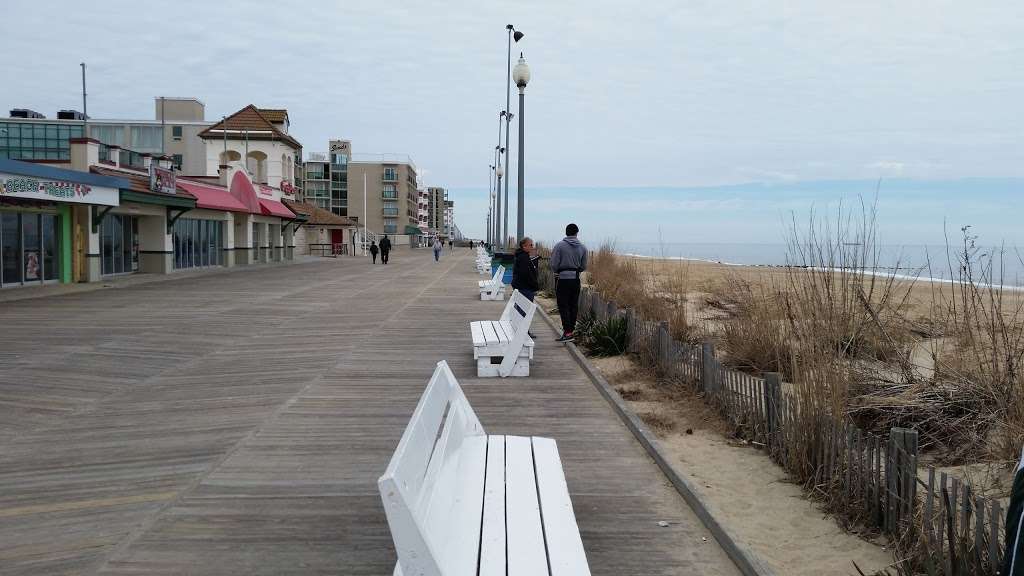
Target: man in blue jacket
[(568, 261)]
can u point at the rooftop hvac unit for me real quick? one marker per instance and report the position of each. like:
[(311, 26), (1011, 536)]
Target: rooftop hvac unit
[(25, 113), (70, 115)]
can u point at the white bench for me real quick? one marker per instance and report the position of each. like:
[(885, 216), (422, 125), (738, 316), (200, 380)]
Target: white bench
[(483, 262), (503, 347), (493, 289), (462, 503)]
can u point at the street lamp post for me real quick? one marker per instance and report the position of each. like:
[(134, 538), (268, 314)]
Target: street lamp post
[(516, 35), (499, 171), (522, 77)]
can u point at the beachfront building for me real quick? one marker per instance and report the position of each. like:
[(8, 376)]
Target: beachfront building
[(325, 178), (388, 183), (104, 218), (39, 205), (322, 232), (173, 131), (439, 211), (256, 138)]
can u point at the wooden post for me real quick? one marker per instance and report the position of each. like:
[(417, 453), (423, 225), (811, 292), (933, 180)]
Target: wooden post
[(708, 372), (612, 309), (901, 476), (630, 331), (663, 347), (772, 400)]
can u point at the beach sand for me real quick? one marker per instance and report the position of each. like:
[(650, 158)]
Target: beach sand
[(750, 495)]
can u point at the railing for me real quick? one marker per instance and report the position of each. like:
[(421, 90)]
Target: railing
[(948, 529), (333, 249)]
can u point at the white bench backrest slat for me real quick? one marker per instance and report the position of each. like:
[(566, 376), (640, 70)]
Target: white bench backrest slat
[(520, 312), (405, 482), (499, 273), (517, 316)]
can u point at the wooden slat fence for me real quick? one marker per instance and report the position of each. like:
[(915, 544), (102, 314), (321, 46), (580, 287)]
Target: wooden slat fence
[(873, 480)]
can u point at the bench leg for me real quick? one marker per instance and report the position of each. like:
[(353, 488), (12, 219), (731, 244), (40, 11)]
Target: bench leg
[(484, 368)]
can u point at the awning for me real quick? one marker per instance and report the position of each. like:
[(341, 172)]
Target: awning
[(212, 198), (275, 208), (413, 230)]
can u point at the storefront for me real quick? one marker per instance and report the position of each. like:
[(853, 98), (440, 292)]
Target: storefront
[(36, 218)]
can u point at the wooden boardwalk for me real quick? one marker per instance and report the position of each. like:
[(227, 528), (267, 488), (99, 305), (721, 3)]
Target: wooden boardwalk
[(236, 423)]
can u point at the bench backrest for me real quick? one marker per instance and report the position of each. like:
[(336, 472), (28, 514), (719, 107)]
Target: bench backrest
[(415, 492), (519, 311), (499, 273)]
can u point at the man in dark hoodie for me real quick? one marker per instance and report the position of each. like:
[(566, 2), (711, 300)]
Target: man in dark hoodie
[(568, 261), (385, 249)]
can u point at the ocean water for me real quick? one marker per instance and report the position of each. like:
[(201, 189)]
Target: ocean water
[(922, 261)]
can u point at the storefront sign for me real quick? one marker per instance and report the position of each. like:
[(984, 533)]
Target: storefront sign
[(14, 186), (341, 145), (287, 188), (161, 179)]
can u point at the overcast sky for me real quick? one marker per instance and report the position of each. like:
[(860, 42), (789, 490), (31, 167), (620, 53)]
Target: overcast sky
[(654, 93)]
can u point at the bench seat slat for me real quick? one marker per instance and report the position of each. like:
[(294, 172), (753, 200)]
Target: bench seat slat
[(492, 538), (490, 336), (526, 555), (565, 548), (478, 334)]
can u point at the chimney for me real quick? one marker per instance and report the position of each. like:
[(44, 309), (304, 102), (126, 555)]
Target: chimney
[(85, 152), (222, 172)]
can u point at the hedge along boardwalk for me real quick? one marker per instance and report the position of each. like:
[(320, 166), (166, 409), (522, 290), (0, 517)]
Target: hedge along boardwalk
[(237, 424)]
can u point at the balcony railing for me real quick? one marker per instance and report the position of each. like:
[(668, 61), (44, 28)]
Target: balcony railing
[(390, 177)]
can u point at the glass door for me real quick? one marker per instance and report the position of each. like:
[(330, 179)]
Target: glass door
[(10, 248), (51, 251), (32, 255)]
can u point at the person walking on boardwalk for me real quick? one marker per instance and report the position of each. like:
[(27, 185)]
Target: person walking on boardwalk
[(373, 250), (568, 261), (451, 246), (524, 270), (385, 249), (438, 246), (470, 244)]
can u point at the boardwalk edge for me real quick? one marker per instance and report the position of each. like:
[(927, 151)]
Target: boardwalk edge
[(747, 562)]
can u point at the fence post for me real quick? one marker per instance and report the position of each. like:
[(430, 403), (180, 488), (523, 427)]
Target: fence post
[(708, 374), (662, 342), (630, 331), (901, 477), (612, 309), (772, 402)]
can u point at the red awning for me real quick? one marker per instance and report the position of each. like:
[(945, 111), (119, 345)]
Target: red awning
[(275, 208), (212, 198)]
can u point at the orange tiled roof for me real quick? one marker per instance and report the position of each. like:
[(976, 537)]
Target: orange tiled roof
[(274, 115), (249, 119)]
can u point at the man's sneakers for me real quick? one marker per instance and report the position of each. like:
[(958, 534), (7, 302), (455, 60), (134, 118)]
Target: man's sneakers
[(565, 338)]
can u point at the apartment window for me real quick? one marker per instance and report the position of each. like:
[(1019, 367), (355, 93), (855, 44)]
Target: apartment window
[(147, 138), (110, 135), (390, 191), (177, 159), (390, 208), (391, 174), (391, 226), (176, 132)]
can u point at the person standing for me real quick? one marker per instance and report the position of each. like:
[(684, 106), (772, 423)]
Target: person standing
[(568, 261), (385, 249), (524, 270), (438, 246), (451, 246), (470, 244), (373, 250)]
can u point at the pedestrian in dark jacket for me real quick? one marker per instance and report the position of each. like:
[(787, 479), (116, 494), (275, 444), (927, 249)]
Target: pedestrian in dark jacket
[(385, 249), (524, 270), (373, 250), (568, 261)]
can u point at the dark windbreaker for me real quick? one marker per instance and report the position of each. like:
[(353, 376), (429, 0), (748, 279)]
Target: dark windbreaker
[(524, 273)]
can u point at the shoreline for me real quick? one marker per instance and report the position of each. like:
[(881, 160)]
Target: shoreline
[(784, 267)]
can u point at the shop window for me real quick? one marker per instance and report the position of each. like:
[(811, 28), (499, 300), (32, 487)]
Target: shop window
[(119, 244), (197, 243)]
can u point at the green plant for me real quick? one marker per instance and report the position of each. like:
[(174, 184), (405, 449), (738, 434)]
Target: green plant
[(607, 337)]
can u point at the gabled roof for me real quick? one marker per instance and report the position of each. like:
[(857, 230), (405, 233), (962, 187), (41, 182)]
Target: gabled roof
[(274, 115), (252, 120)]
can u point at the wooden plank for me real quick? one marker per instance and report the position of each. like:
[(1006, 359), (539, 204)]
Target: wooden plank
[(564, 546), (478, 334), (490, 336), (526, 551), (492, 541)]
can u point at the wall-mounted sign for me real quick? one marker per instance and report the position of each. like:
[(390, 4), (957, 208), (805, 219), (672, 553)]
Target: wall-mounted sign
[(15, 186), (161, 179), (287, 188), (344, 146)]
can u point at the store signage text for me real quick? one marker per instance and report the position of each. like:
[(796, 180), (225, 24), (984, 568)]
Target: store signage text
[(16, 186)]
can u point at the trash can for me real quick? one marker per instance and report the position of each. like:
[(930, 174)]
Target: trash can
[(506, 259)]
